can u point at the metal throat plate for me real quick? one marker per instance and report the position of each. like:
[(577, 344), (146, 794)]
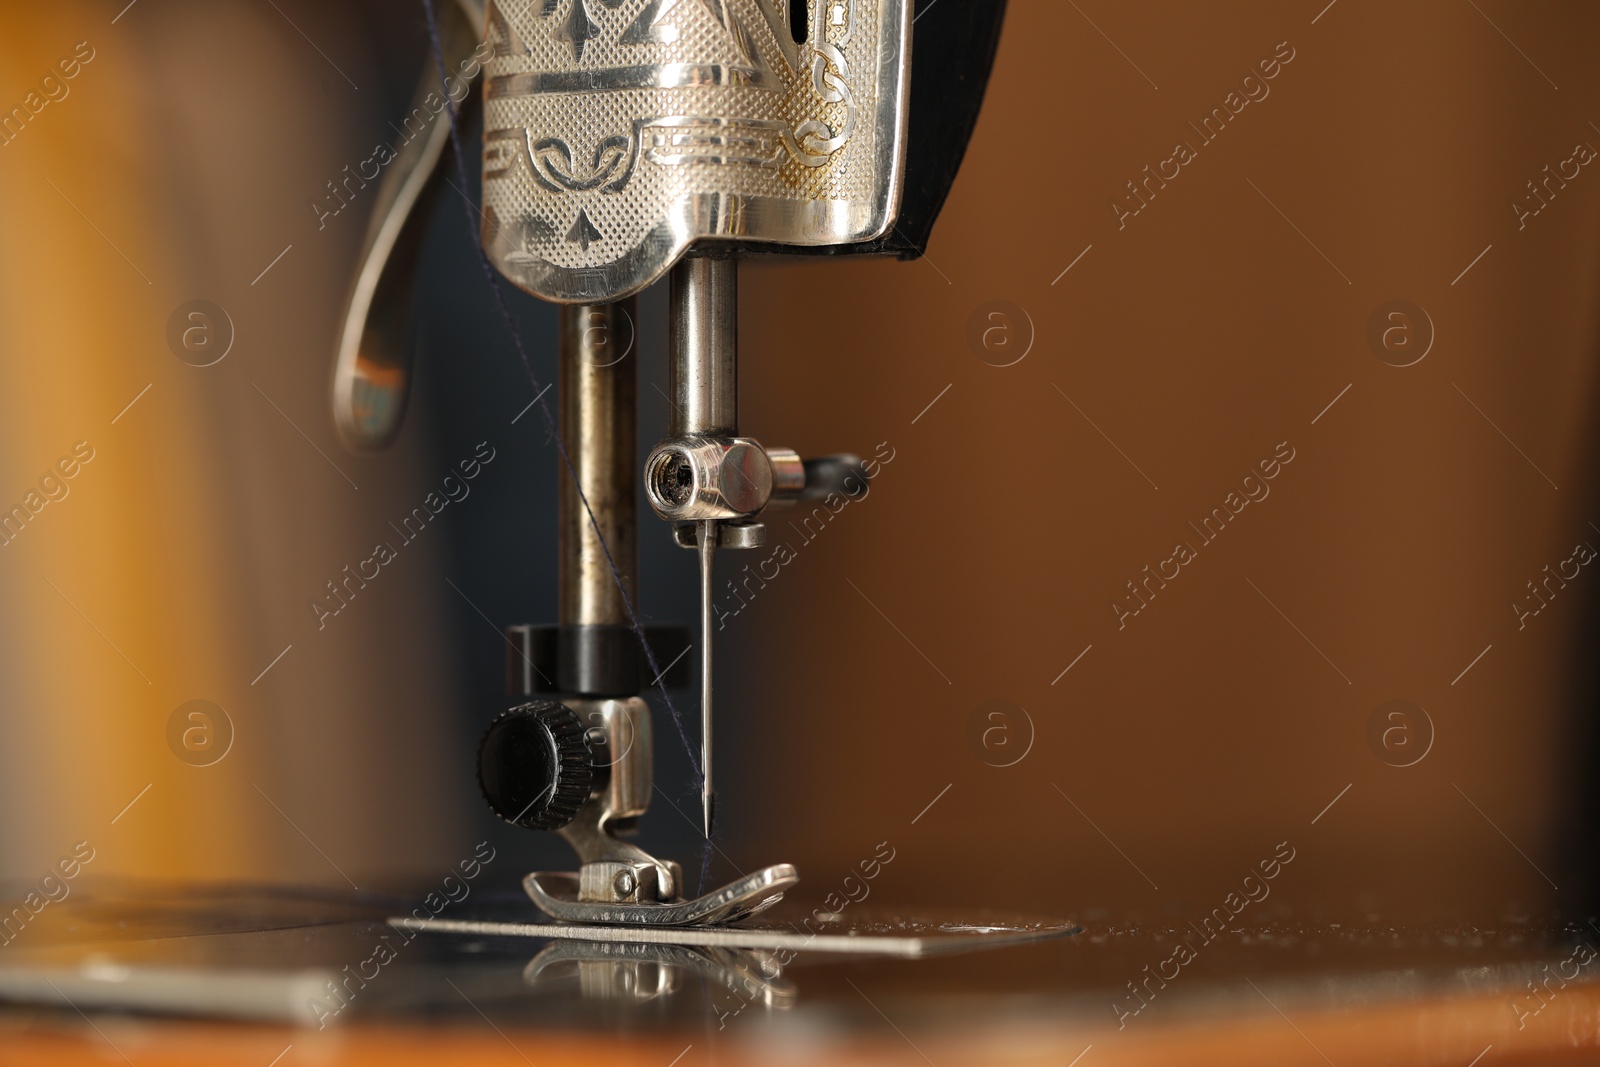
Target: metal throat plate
[(618, 132), (899, 938)]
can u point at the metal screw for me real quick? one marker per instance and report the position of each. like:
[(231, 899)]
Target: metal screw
[(624, 884)]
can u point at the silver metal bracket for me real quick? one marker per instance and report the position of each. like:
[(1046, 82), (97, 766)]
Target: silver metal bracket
[(558, 895)]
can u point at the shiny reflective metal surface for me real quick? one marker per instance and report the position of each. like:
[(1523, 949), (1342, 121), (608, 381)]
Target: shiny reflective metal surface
[(560, 897), (618, 132), (692, 479), (788, 474), (841, 934), (745, 535), (623, 781), (703, 298)]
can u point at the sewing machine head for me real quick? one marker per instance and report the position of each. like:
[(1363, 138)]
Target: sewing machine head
[(626, 141), (617, 135)]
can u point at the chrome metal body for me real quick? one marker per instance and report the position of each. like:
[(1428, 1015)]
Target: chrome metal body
[(692, 479), (618, 133), (703, 319)]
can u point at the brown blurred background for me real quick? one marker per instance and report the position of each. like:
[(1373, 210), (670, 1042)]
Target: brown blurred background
[(1175, 353)]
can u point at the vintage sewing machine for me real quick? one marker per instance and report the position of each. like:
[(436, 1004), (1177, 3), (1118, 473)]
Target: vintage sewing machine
[(630, 143), (627, 144)]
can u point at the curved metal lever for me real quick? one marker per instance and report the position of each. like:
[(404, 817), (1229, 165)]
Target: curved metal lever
[(372, 367)]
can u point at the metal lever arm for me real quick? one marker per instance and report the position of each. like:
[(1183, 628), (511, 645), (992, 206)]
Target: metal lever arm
[(372, 367)]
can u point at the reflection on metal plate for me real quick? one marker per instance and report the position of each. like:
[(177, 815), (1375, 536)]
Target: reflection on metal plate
[(261, 995), (636, 973)]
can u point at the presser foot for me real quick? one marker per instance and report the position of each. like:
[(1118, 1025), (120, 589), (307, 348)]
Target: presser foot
[(558, 895), (583, 770)]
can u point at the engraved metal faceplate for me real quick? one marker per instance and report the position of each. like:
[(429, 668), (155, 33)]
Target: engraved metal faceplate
[(618, 132)]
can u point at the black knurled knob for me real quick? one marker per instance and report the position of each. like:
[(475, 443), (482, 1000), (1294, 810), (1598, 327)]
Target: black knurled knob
[(534, 765)]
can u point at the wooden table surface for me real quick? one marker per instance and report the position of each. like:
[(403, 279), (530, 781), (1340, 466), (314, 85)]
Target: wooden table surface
[(1455, 1031)]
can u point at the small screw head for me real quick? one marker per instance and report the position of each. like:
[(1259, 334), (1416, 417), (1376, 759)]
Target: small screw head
[(624, 884)]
